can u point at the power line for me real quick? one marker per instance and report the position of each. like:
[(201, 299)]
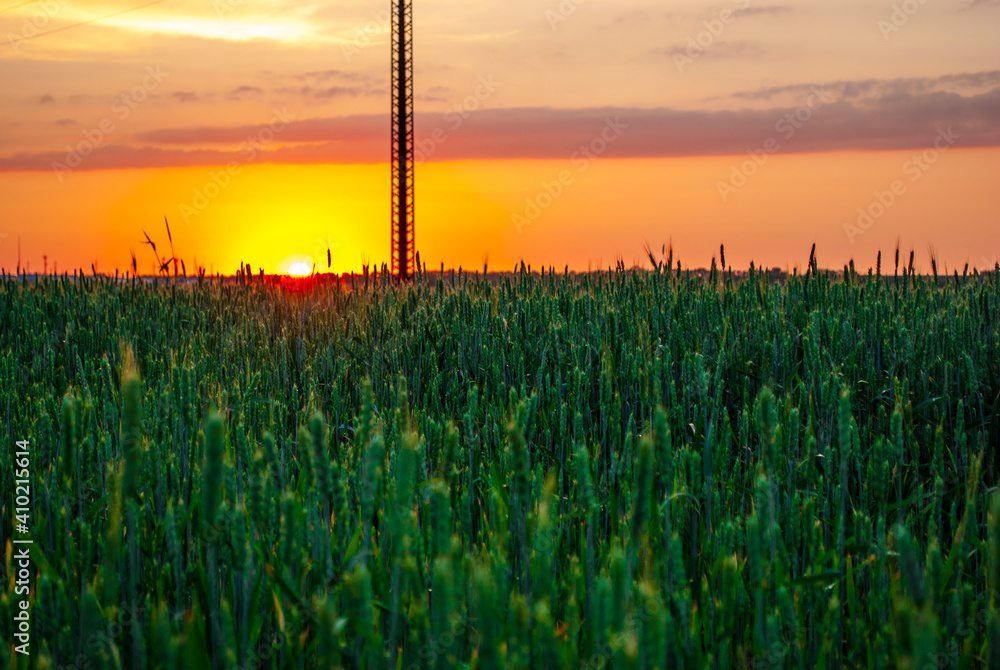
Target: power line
[(88, 21), (13, 7)]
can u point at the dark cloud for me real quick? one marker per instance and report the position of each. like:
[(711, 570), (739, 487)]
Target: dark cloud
[(327, 75), (729, 13), (741, 49), (899, 119), (65, 122), (114, 157), (631, 18), (185, 96), (434, 94), (45, 99), (876, 89), (323, 94), (771, 9), (719, 49), (359, 128), (245, 90)]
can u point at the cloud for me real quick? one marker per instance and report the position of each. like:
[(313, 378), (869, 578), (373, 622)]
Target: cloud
[(245, 90), (65, 122), (719, 49), (326, 75), (904, 117), (741, 49), (878, 89), (45, 99), (434, 94), (314, 94), (714, 12), (770, 9), (185, 96), (358, 128)]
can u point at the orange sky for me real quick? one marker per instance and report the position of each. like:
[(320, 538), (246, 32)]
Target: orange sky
[(553, 132)]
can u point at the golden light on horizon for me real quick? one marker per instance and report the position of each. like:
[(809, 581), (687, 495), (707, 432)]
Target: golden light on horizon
[(274, 216)]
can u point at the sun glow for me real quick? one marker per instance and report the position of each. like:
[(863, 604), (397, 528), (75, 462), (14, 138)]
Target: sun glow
[(225, 30), (299, 269)]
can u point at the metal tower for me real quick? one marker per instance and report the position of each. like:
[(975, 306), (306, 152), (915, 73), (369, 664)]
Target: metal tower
[(403, 248)]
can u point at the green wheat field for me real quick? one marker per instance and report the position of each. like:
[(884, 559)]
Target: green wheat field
[(635, 469)]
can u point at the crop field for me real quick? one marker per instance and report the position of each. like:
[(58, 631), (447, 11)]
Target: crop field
[(634, 469)]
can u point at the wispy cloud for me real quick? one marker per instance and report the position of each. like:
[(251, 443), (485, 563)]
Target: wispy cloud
[(762, 10), (244, 91), (322, 94), (719, 49), (878, 89), (327, 75), (434, 94)]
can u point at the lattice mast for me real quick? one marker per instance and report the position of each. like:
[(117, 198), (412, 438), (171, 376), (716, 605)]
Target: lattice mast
[(403, 248)]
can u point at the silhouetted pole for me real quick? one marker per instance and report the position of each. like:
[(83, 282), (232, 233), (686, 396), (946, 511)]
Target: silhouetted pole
[(402, 139)]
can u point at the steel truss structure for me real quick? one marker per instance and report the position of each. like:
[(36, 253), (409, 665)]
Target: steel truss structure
[(403, 246)]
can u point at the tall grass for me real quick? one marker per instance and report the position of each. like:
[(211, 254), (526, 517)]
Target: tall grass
[(623, 469)]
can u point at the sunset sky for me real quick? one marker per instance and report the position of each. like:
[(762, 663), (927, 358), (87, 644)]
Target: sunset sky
[(554, 131)]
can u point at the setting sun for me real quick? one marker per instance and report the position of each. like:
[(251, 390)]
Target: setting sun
[(299, 269)]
